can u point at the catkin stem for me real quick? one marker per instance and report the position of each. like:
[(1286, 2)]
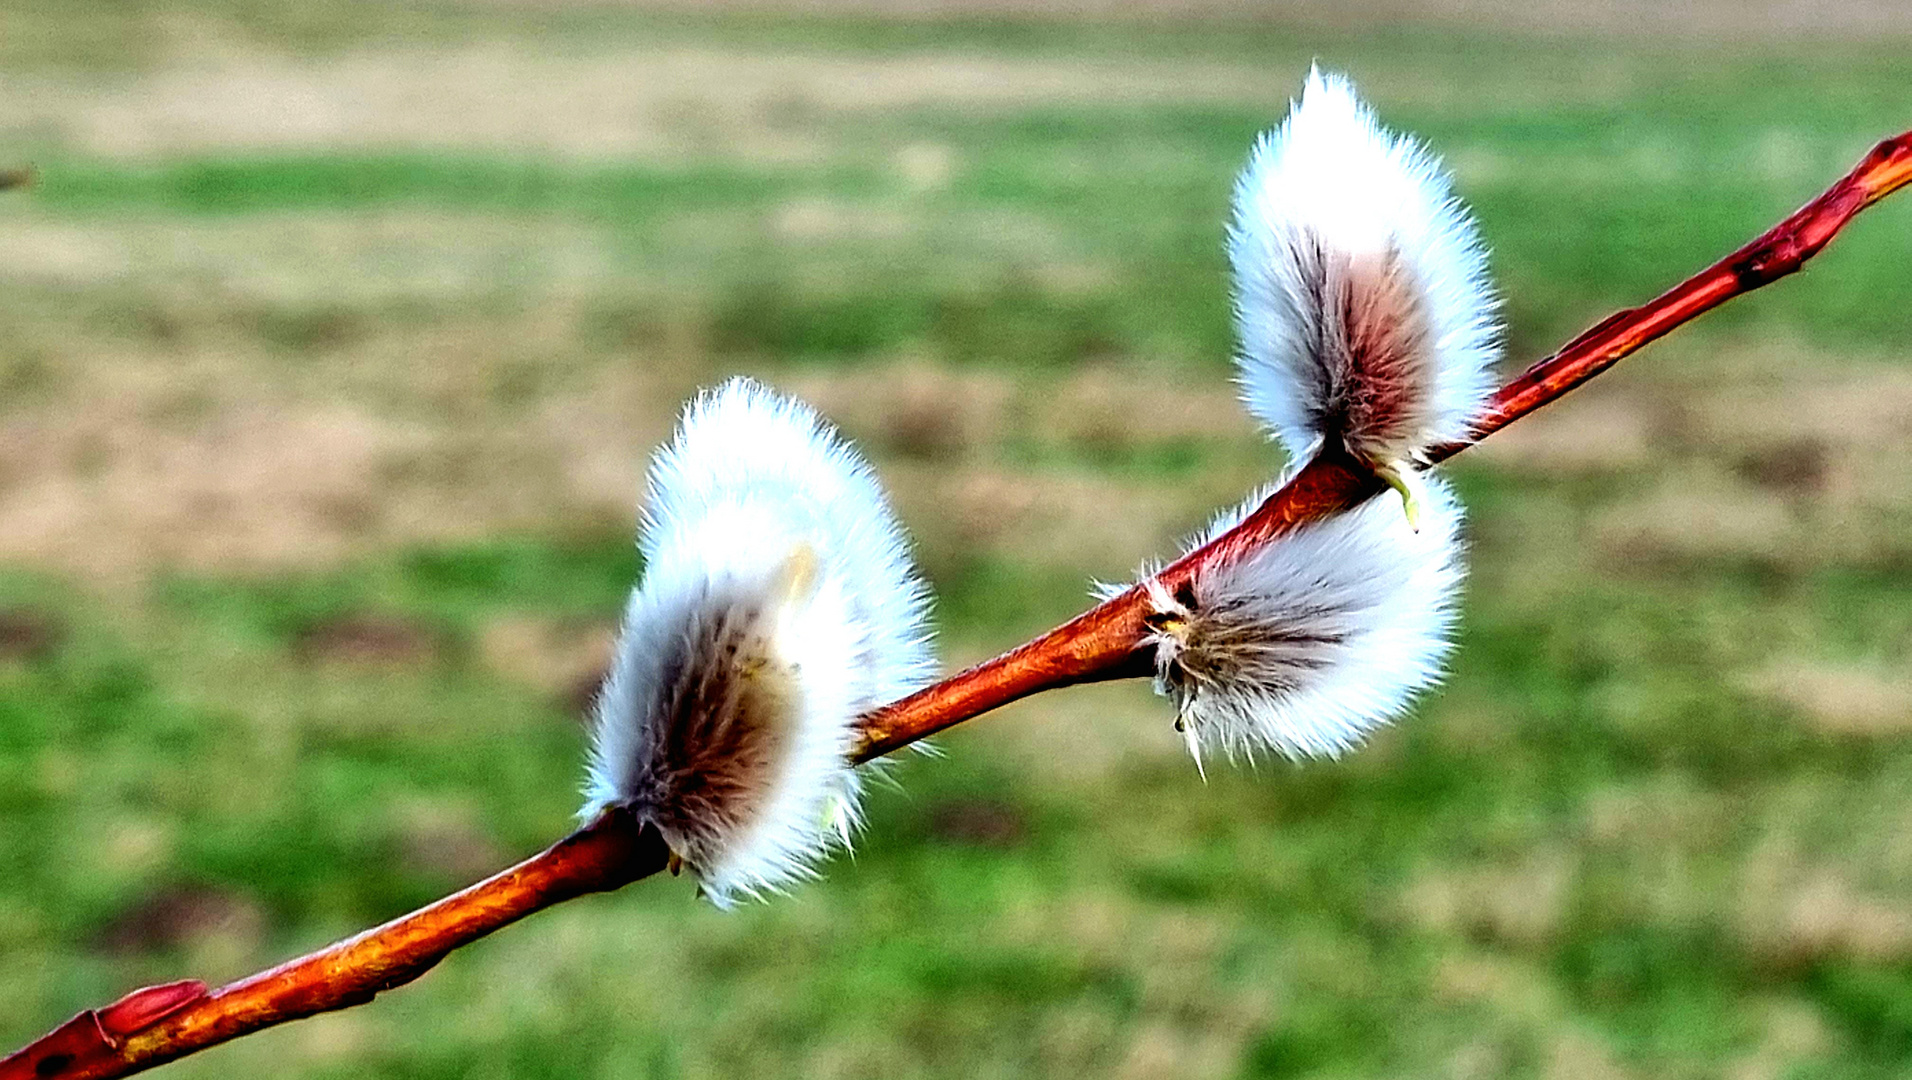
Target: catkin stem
[(157, 1025)]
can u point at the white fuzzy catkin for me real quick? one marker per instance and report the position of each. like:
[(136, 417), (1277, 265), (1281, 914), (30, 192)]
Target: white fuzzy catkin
[(778, 604), (1361, 290), (1311, 641)]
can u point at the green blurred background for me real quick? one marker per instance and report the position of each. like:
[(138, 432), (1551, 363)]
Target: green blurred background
[(335, 336)]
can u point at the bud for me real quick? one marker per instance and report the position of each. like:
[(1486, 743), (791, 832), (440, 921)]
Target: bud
[(1305, 644), (778, 604), (1361, 289)]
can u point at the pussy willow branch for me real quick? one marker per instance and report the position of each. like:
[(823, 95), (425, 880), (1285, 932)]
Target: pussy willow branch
[(156, 1025), (1105, 642)]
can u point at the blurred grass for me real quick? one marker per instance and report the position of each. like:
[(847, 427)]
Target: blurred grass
[(317, 453)]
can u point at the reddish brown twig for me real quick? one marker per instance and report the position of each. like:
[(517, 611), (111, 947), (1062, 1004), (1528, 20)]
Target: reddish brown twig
[(153, 1026)]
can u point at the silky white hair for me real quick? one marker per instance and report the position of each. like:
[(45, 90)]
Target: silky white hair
[(1361, 290), (778, 604), (1305, 644)]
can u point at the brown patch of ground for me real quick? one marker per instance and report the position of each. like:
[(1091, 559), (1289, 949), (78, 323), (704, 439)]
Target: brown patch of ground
[(334, 1037), (130, 467), (1595, 431), (980, 822), (1109, 406), (1841, 699), (1521, 905), (1661, 816), (183, 916), (447, 838), (916, 408), (665, 103), (1581, 1055), (566, 658), (27, 634), (1774, 459), (108, 489), (1052, 519), (366, 639), (1699, 517), (1792, 1031), (341, 260), (1800, 469), (1819, 915), (1815, 427), (1514, 989), (940, 433), (1076, 741), (136, 463)]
